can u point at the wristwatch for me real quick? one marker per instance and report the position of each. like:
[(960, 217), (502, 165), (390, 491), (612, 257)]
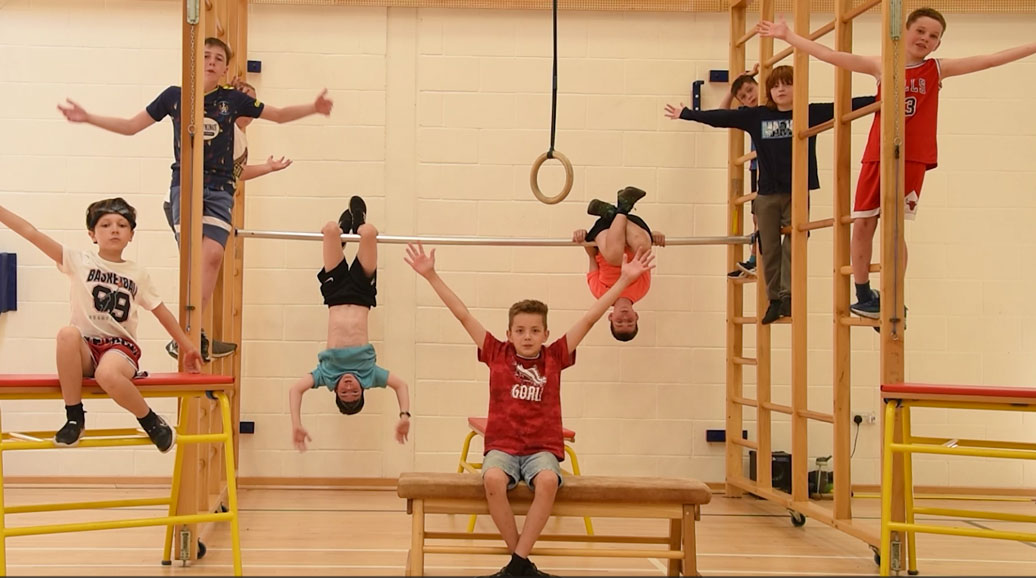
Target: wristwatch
[(406, 413)]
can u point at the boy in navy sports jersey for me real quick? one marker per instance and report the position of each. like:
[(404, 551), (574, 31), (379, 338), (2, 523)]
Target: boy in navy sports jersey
[(923, 81), (523, 439), (223, 105), (348, 366), (101, 340)]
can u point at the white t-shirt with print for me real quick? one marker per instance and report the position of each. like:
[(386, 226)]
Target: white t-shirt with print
[(240, 152), (105, 295)]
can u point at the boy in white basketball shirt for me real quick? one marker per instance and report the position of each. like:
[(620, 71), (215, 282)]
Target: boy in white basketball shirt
[(100, 342)]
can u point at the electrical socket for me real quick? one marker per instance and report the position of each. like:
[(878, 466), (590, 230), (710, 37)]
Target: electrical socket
[(866, 417)]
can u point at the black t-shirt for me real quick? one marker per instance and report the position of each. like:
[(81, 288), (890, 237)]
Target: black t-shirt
[(771, 132), (223, 106)]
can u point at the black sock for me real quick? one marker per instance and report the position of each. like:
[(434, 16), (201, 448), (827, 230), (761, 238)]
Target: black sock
[(863, 292), (76, 413), (517, 564), (148, 421)]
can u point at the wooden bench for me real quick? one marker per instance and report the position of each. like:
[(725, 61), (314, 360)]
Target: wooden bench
[(186, 491), (673, 499), (897, 489)]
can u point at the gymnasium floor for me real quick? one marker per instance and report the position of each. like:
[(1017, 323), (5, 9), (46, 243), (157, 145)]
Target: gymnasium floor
[(292, 532)]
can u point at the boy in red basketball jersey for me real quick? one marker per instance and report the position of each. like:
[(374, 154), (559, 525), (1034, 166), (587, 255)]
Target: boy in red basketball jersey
[(924, 31), (524, 439)]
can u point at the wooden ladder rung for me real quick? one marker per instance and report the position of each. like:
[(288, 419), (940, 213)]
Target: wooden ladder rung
[(848, 269), (746, 320), (745, 361), (744, 443), (814, 225), (769, 405), (745, 401), (819, 416), (860, 322)]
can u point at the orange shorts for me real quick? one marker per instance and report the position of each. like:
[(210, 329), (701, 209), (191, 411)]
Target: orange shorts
[(868, 189)]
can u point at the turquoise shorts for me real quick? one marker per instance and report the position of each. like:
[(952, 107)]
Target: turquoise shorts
[(359, 361)]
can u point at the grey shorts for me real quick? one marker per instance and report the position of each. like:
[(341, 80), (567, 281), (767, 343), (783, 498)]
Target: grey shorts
[(519, 468), (215, 218)]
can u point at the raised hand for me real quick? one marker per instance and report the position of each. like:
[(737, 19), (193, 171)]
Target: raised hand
[(673, 112), (658, 238), (323, 104), (73, 112), (579, 236), (402, 429), (422, 263), (277, 164), (635, 267), (778, 29), (300, 437)]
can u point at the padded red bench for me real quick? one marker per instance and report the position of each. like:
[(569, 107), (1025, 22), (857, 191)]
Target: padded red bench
[(897, 486), (183, 499)]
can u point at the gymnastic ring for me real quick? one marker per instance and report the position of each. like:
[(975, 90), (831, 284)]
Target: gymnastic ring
[(535, 173)]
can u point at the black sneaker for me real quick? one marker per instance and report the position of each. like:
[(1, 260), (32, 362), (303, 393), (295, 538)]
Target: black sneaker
[(599, 208), (173, 349), (871, 309), (786, 306), (532, 570), (359, 212), (627, 198), (501, 572), (162, 435), (736, 273), (69, 434), (345, 222), (748, 267), (220, 348), (773, 312)]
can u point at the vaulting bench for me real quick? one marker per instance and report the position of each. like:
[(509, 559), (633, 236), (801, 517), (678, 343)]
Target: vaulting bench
[(185, 493), (674, 499)]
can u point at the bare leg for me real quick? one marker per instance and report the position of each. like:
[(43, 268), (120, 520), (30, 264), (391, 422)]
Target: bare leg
[(637, 239), (495, 481), (612, 243), (368, 251), (332, 245), (114, 374), (861, 248), (74, 362), (211, 262), (546, 483)]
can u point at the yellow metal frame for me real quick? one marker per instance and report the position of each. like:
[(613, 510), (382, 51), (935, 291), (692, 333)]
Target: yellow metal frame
[(897, 425), (43, 440), (474, 467)]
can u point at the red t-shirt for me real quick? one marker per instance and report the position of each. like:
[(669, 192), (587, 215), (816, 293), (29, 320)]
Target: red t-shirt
[(601, 280), (921, 83), (525, 398)]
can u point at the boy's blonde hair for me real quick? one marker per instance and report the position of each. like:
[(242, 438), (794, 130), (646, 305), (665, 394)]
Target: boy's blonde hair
[(927, 12), (782, 74), (527, 306)]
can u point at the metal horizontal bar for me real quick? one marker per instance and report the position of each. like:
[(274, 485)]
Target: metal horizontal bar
[(862, 111), (480, 241), (1007, 517), (594, 552), (116, 524), (551, 538), (958, 451), (860, 10), (128, 503), (961, 531)]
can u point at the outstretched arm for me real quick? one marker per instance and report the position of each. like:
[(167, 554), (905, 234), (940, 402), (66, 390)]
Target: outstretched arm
[(271, 165), (299, 434), (322, 105), (125, 126), (865, 64), (631, 269), (958, 66), (191, 356), (403, 398), (424, 265), (579, 236), (43, 242)]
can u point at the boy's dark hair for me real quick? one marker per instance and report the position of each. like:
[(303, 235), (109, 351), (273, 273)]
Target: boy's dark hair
[(527, 306), (740, 81), (930, 13), (349, 408), (625, 336), (213, 41), (117, 206), (782, 74)]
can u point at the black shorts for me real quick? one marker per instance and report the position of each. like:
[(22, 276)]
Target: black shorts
[(603, 223), (348, 285)]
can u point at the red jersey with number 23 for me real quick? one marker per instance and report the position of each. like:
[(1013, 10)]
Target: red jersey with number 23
[(525, 398), (921, 109)]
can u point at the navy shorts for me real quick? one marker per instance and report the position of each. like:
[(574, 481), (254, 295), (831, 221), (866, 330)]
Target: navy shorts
[(215, 219)]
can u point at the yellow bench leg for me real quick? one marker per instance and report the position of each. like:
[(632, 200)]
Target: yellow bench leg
[(575, 470)]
